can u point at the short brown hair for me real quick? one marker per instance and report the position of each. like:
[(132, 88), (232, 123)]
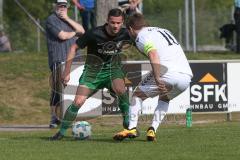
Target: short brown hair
[(115, 12), (136, 21)]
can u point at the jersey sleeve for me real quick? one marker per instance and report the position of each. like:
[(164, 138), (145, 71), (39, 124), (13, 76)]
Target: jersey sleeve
[(52, 27), (84, 40), (145, 44)]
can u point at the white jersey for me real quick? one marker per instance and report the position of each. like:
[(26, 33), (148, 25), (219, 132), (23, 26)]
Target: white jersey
[(169, 50)]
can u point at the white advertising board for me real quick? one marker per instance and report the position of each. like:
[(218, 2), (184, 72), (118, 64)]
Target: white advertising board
[(93, 105)]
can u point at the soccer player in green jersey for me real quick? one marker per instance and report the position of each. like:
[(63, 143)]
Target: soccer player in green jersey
[(102, 68)]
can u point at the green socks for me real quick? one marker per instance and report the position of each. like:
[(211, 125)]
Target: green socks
[(71, 113), (69, 117), (123, 103)]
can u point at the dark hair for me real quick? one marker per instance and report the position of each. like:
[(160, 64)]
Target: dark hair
[(115, 12), (136, 21)]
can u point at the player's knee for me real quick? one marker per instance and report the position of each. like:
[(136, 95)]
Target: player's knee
[(79, 101), (120, 91), (164, 99), (140, 95)]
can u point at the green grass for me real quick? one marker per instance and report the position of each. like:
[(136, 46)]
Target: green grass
[(175, 142), (212, 56), (24, 88)]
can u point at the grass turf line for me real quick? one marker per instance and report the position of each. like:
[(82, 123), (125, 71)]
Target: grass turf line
[(218, 141)]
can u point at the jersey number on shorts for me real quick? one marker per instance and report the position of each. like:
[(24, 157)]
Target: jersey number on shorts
[(170, 39)]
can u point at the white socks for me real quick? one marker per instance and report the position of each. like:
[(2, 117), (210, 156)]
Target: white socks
[(159, 114), (134, 110)]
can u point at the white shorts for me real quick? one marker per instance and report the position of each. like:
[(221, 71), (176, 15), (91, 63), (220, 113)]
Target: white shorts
[(178, 82)]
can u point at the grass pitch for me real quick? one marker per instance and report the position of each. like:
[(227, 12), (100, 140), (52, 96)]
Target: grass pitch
[(218, 141)]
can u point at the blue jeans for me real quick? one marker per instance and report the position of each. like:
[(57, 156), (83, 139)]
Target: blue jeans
[(88, 17)]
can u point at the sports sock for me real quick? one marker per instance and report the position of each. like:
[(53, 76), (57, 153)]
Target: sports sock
[(124, 107), (69, 117), (159, 114), (134, 110)]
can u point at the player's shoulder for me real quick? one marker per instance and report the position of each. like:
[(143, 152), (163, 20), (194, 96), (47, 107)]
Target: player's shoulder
[(99, 30), (145, 32)]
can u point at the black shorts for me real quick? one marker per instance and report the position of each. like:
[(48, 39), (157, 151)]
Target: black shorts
[(55, 84)]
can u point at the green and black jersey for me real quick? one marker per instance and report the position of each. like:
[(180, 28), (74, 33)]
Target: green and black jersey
[(103, 62)]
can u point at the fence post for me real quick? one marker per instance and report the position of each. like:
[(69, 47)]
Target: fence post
[(187, 25), (76, 13), (229, 116), (1, 14), (180, 25), (194, 27), (38, 38)]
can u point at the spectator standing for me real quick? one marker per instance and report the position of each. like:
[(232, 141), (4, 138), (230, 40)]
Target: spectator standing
[(61, 32), (130, 6), (5, 45), (87, 11)]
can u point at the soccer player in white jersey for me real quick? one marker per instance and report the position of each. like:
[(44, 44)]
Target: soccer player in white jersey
[(170, 75)]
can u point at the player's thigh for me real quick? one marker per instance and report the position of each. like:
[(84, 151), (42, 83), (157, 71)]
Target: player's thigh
[(118, 86), (82, 94), (139, 93), (178, 83), (148, 86), (117, 81), (175, 84)]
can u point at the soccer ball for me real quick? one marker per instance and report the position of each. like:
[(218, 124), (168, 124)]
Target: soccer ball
[(81, 130)]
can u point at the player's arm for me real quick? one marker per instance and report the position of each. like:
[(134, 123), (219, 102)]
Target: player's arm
[(81, 43), (156, 68), (155, 63), (70, 56), (148, 48)]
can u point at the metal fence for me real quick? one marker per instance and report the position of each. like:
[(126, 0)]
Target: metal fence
[(207, 25), (207, 34)]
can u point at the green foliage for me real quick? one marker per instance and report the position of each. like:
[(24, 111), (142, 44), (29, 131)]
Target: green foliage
[(211, 14), (160, 6), (21, 30)]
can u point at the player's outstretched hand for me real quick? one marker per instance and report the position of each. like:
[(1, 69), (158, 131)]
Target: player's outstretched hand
[(162, 87), (65, 79)]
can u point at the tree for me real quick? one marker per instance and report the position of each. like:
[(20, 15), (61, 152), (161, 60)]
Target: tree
[(103, 7), (1, 14)]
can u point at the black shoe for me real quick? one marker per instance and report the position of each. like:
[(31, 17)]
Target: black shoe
[(58, 136), (57, 121), (54, 124)]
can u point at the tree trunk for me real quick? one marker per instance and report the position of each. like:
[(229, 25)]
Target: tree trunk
[(103, 6), (1, 14)]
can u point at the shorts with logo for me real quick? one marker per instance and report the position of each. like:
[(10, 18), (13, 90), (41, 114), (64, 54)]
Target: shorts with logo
[(99, 79), (178, 82)]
